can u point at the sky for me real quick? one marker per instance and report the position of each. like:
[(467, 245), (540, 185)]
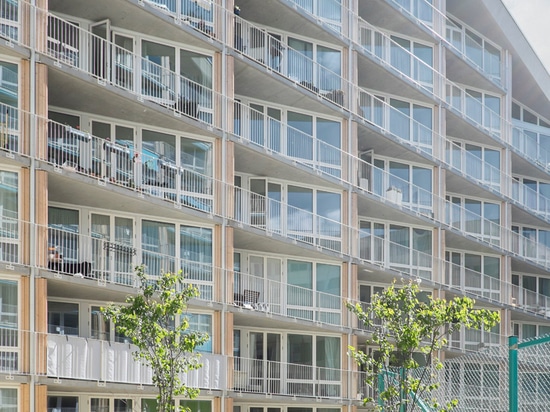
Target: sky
[(532, 18)]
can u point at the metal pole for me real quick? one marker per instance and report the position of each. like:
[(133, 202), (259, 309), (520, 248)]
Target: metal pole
[(513, 373)]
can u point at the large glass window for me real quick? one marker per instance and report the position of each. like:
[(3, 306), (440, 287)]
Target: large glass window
[(8, 400), (9, 215), (63, 318), (63, 403), (8, 304), (196, 255), (199, 322), (197, 405), (158, 241), (157, 68), (63, 233)]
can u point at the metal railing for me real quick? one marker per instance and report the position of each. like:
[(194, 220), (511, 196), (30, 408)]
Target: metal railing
[(282, 378)]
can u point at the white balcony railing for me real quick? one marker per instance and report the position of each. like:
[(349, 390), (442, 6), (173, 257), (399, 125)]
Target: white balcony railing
[(73, 357), (291, 379)]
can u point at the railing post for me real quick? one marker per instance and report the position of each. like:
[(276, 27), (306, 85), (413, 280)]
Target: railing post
[(513, 374)]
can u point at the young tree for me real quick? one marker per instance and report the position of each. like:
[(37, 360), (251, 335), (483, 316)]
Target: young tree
[(405, 330), (149, 319)]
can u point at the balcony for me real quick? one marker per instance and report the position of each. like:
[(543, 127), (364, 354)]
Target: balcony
[(476, 50), (260, 46), (256, 293), (73, 357), (288, 379), (202, 15), (472, 340), (471, 108), (70, 45), (279, 218)]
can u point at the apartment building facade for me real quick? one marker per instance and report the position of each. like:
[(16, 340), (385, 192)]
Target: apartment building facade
[(288, 156)]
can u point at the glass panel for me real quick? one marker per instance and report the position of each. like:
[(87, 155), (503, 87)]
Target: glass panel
[(123, 405), (8, 400), (328, 207), (300, 212), (8, 304), (100, 326), (197, 406), (62, 236), (400, 55), (99, 405), (300, 283), (157, 68), (196, 255), (63, 403), (63, 318), (329, 80), (9, 84), (124, 61), (400, 119), (201, 323), (300, 64), (399, 244), (158, 243), (299, 135)]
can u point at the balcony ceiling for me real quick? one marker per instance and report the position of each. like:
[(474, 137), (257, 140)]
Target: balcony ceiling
[(256, 81), (87, 95), (381, 13), (370, 139), (132, 16), (255, 161), (456, 183), (459, 71), (368, 207), (520, 216), (524, 167), (373, 76), (66, 187), (68, 286), (256, 240), (457, 240), (462, 128), (277, 14)]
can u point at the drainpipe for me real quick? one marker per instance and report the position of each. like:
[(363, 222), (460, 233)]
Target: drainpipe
[(351, 176), (32, 220), (224, 187)]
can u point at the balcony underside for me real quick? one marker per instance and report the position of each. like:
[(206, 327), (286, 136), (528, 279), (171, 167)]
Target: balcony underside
[(275, 13), (130, 15), (458, 240), (381, 14), (371, 75), (457, 183), (12, 49), (526, 167), (459, 71), (67, 187), (257, 319), (254, 160), (525, 266), (67, 286), (372, 138), (81, 387), (462, 128), (250, 238), (523, 217), (370, 207), (88, 96), (258, 82)]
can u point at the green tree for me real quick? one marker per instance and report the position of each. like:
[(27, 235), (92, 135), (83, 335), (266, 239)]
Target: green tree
[(150, 320), (406, 330)]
